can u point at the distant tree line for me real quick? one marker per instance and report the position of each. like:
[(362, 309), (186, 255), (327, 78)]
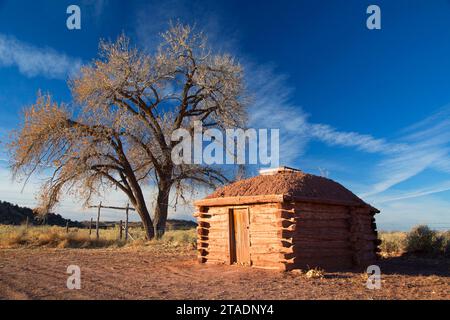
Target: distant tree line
[(13, 214)]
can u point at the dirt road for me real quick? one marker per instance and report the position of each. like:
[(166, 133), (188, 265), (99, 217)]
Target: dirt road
[(150, 273)]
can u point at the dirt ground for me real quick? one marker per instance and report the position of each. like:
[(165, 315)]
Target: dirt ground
[(152, 273)]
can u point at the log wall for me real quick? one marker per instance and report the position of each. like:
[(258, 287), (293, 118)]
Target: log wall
[(331, 236), (213, 235), (293, 235)]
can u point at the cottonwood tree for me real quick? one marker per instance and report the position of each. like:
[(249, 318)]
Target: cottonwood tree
[(117, 132)]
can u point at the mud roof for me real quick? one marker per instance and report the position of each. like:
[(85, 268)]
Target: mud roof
[(283, 184)]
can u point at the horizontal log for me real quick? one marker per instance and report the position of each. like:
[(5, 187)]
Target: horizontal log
[(258, 219), (214, 223), (322, 231), (322, 263), (213, 229), (318, 244), (311, 223), (322, 216), (260, 250), (269, 265), (269, 234), (216, 261), (266, 246), (269, 260), (306, 236), (208, 246), (363, 237), (311, 252), (278, 267), (316, 207), (273, 224), (262, 239), (212, 213), (216, 256), (212, 202)]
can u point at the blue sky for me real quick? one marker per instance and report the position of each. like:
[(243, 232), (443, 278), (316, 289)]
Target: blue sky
[(368, 108)]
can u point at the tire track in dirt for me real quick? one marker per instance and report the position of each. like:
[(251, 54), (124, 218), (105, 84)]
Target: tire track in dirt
[(11, 292)]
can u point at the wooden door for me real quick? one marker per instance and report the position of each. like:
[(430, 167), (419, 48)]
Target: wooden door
[(239, 236)]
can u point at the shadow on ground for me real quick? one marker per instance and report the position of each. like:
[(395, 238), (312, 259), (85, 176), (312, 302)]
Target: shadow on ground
[(415, 266)]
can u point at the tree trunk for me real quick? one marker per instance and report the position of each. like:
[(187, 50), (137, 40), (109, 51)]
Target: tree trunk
[(137, 199), (161, 209), (146, 220)]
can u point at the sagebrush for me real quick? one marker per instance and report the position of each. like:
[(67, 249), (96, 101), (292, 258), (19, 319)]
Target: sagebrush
[(420, 240)]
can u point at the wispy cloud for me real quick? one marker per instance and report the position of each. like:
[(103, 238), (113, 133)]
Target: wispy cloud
[(440, 187), (34, 61), (363, 142), (425, 145), (428, 147), (273, 108)]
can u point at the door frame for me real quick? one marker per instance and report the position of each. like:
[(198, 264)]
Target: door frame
[(231, 234)]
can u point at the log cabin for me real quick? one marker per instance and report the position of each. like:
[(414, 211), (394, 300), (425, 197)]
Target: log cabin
[(286, 219)]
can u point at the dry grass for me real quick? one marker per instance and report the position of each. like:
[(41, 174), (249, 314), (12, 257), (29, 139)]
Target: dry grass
[(420, 240), (392, 243), (57, 237)]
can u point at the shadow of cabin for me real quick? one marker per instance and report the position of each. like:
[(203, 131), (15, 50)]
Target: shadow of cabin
[(285, 219)]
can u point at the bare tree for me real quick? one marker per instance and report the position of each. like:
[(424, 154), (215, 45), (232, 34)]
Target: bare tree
[(117, 133)]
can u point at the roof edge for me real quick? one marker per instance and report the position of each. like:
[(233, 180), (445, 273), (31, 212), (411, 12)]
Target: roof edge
[(277, 198)]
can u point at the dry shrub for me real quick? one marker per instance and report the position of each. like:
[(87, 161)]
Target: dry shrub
[(421, 239), (315, 273), (444, 239), (15, 238)]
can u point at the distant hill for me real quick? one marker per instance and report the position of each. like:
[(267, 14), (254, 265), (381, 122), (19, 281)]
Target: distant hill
[(13, 214)]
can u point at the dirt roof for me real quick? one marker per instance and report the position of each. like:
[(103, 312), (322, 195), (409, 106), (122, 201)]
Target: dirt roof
[(298, 185)]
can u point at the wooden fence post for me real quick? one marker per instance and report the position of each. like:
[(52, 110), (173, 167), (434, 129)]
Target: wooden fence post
[(90, 227), (124, 228), (126, 221), (98, 220), (120, 230), (67, 226)]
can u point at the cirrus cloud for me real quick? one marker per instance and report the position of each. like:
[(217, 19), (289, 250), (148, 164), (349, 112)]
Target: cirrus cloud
[(33, 61)]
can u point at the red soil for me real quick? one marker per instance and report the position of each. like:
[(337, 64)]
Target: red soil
[(167, 273)]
